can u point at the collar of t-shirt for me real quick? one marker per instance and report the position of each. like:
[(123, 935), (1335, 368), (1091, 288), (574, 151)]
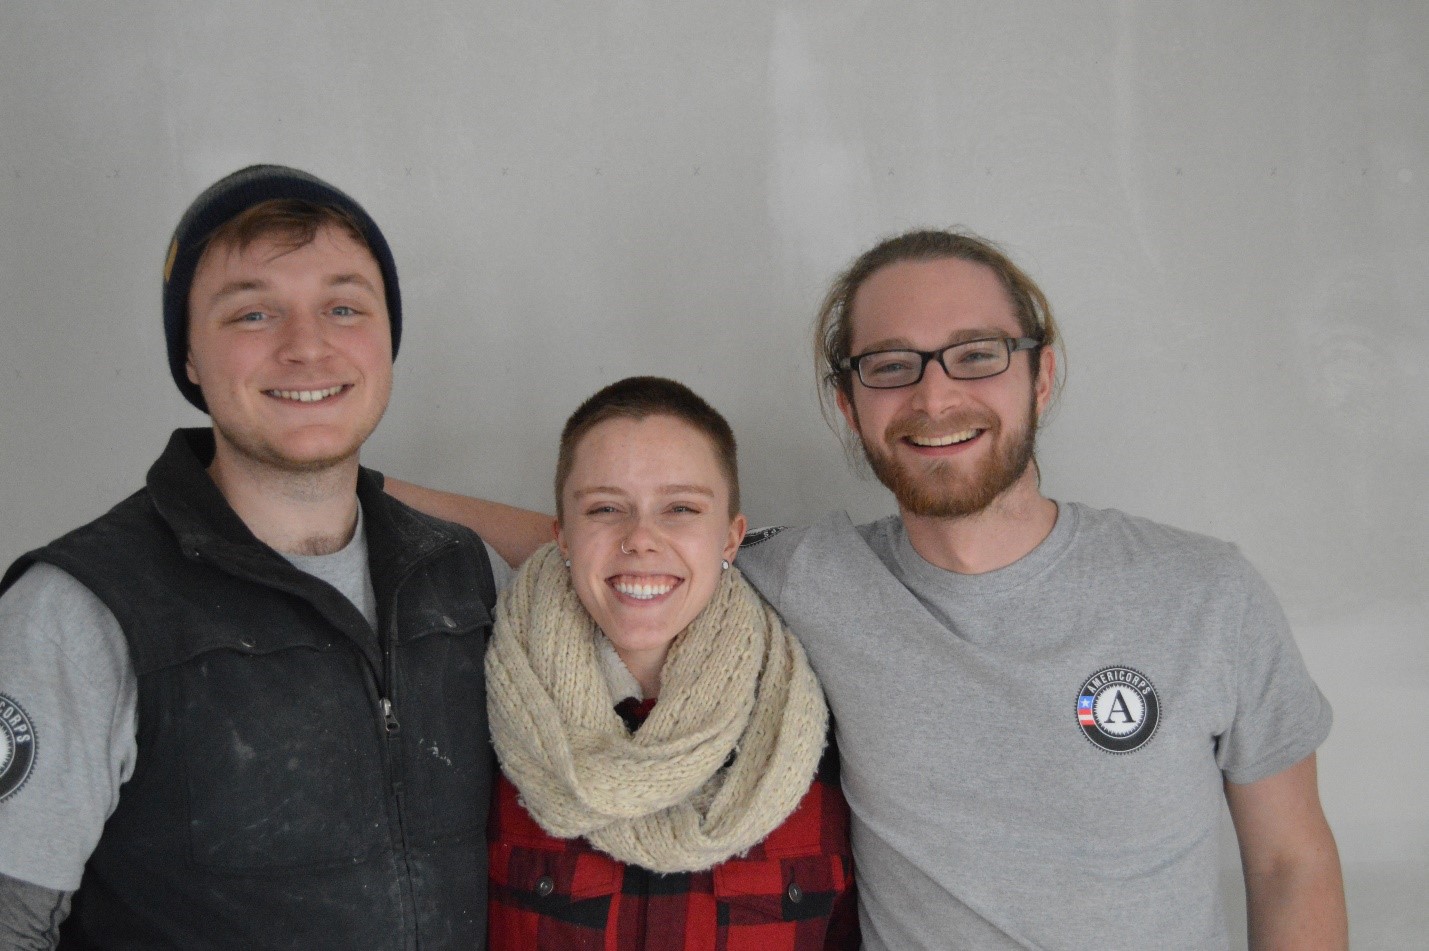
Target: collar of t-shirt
[(924, 577), (347, 570)]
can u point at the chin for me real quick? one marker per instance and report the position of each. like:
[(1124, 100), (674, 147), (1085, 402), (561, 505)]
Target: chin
[(299, 459), (642, 638)]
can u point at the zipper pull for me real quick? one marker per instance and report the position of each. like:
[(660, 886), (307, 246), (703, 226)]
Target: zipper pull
[(389, 719)]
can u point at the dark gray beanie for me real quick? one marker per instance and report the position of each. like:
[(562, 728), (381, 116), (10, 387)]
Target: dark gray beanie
[(226, 199)]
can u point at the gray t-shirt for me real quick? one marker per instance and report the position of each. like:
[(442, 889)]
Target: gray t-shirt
[(66, 679), (1035, 756)]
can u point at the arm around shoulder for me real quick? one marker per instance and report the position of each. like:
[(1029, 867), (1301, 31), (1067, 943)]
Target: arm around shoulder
[(514, 532), (1295, 895)]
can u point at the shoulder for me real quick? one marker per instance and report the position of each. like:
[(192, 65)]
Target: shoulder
[(415, 534), (82, 559), (106, 537), (48, 616), (767, 553), (882, 535), (1115, 535), (770, 543), (779, 543), (764, 555), (43, 585), (416, 528)]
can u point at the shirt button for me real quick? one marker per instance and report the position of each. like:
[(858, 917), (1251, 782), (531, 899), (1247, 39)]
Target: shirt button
[(796, 894), (545, 886)]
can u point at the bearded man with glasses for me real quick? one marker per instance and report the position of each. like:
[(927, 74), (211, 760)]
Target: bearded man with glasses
[(1041, 706), (946, 491)]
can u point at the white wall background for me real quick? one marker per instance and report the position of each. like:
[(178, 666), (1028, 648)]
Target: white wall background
[(1226, 202)]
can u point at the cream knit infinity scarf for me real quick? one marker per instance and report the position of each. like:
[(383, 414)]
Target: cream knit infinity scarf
[(735, 681)]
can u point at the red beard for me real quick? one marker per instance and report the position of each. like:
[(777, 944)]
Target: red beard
[(952, 488)]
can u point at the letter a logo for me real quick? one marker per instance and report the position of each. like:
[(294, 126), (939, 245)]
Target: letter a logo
[(1118, 709)]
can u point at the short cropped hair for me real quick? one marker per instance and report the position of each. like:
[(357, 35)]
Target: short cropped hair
[(291, 223), (640, 397), (833, 329)]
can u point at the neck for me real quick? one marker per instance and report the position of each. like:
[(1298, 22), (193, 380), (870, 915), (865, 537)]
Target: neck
[(297, 513), (1013, 524), (645, 667)]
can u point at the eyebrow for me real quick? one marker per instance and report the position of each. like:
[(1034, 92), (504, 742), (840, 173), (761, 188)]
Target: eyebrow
[(339, 280), (674, 488), (233, 288), (236, 287), (960, 336)]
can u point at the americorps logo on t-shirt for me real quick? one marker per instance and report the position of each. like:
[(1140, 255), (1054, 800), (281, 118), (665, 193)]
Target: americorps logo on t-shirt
[(1118, 709), (17, 747)]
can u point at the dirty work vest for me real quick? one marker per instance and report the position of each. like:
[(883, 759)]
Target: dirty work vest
[(302, 781)]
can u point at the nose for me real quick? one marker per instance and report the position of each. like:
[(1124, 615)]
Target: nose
[(304, 338), (937, 392), (642, 537)]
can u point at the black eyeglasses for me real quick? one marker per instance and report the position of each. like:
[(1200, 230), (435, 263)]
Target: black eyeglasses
[(969, 360)]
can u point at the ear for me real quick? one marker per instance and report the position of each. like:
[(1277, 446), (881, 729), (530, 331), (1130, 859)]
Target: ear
[(1046, 376), (560, 538), (189, 368), (845, 404), (737, 527)]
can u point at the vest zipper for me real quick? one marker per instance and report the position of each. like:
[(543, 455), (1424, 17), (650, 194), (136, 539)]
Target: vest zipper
[(388, 704), (389, 719), (395, 773)]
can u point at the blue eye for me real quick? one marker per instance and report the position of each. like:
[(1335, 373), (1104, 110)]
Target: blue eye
[(890, 368), (342, 310)]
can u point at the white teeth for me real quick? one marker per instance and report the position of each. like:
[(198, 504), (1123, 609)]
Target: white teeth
[(933, 442), (642, 592), (307, 396)]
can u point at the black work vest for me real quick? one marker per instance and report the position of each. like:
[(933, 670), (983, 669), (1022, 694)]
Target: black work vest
[(302, 781)]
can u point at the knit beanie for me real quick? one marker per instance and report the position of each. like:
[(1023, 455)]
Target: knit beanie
[(226, 199)]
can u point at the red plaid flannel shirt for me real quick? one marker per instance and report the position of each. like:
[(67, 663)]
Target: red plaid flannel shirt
[(792, 892)]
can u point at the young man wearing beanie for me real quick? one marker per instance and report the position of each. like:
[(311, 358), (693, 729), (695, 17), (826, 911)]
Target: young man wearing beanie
[(245, 708)]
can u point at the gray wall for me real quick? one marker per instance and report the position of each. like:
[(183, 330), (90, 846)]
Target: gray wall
[(1226, 203)]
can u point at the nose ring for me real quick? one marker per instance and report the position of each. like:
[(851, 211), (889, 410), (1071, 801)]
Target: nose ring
[(623, 551)]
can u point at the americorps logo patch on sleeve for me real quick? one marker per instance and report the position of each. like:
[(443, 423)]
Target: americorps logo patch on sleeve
[(17, 747)]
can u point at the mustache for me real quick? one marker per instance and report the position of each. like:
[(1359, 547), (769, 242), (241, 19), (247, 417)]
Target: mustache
[(921, 425)]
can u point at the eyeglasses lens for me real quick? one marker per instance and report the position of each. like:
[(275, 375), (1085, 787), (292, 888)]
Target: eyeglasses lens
[(965, 361), (976, 359), (890, 368)]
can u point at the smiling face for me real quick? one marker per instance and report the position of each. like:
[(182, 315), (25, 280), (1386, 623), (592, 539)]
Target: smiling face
[(654, 488), (945, 448), (292, 348)]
